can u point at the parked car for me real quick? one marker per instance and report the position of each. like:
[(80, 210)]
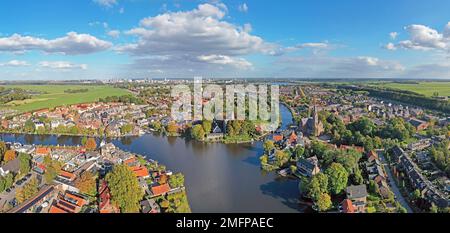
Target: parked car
[(8, 190)]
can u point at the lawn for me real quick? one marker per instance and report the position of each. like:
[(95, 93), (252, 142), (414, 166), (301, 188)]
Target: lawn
[(424, 88), (53, 95)]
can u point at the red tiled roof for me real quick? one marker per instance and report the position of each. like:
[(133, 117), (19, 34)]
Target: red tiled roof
[(160, 189), (141, 172), (56, 210), (43, 151), (277, 138), (347, 206), (67, 175)]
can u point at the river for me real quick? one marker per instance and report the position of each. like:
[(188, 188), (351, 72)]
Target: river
[(219, 178)]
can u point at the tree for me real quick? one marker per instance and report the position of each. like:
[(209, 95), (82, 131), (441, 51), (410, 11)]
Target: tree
[(2, 150), (207, 126), (281, 157), (28, 191), (324, 202), (198, 133), (268, 146), (416, 195), (25, 163), (126, 192), (126, 129), (84, 140), (176, 180), (29, 126), (52, 168), (91, 144), (318, 186), (434, 209), (299, 152), (87, 183), (9, 155), (338, 178), (172, 128)]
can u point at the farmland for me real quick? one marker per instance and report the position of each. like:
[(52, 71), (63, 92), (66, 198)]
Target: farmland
[(424, 88), (50, 96)]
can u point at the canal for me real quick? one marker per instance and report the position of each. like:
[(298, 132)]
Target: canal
[(218, 177)]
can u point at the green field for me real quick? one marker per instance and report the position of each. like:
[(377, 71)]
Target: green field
[(54, 95), (424, 88)]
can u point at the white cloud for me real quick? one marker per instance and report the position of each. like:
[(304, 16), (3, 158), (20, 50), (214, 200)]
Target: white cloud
[(71, 44), (243, 8), (114, 33), (313, 45), (62, 65), (185, 36), (106, 3), (337, 67), (393, 35), (390, 46), (15, 63), (226, 60), (425, 38)]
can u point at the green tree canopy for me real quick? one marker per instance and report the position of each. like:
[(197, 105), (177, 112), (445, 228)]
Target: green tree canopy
[(125, 190), (338, 178)]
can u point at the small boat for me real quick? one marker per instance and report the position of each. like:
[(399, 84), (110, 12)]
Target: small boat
[(284, 172)]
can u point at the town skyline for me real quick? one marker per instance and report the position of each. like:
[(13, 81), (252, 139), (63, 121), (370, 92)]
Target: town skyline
[(120, 39)]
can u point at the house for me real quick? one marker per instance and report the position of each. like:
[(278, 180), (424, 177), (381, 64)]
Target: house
[(12, 166), (372, 156), (418, 124), (358, 195), (308, 167), (68, 203), (159, 190), (105, 205), (347, 207), (42, 151), (149, 206)]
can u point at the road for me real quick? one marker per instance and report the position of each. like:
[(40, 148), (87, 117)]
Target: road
[(393, 185)]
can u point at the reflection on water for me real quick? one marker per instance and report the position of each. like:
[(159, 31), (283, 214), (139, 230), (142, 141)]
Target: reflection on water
[(219, 178)]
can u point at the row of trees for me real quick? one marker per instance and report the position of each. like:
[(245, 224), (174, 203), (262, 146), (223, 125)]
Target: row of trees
[(405, 97), (320, 188), (127, 99)]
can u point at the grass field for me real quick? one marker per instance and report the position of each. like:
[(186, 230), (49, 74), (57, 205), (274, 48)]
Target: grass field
[(54, 95), (424, 88)]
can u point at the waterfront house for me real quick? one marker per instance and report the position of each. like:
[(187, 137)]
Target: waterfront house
[(347, 207), (358, 195), (308, 167), (159, 189)]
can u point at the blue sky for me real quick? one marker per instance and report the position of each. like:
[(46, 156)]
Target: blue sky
[(103, 39)]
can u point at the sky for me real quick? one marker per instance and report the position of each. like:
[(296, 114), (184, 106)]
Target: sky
[(110, 39)]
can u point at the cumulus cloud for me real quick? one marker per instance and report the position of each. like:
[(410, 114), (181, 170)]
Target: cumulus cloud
[(195, 37), (62, 65), (393, 35), (106, 3), (15, 63), (226, 60), (337, 67), (243, 8), (114, 33), (425, 38), (201, 30), (390, 46), (71, 44)]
